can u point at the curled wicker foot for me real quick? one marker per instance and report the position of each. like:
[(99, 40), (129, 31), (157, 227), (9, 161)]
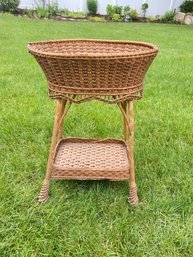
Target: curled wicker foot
[(133, 198), (43, 196)]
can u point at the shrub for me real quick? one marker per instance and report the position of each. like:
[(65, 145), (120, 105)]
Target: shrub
[(76, 15), (168, 16), (110, 11), (186, 6), (152, 19), (144, 8), (42, 12), (133, 15), (53, 9), (29, 13), (126, 9), (45, 11), (9, 5), (116, 17), (92, 6), (113, 9), (64, 11), (118, 9), (96, 19)]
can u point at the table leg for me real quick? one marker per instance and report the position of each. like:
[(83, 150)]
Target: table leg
[(61, 125), (124, 106), (133, 199), (43, 196)]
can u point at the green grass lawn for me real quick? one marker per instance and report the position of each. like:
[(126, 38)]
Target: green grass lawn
[(93, 218)]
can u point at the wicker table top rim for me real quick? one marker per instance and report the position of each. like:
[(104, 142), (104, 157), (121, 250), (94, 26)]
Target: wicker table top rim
[(151, 49)]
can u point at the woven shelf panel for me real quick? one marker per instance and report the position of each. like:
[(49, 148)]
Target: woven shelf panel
[(91, 159), (94, 67)]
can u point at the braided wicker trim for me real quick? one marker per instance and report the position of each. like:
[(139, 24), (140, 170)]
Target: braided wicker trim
[(85, 98), (93, 91), (74, 48)]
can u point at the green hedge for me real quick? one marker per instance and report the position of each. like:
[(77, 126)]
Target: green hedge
[(9, 5), (187, 6), (92, 6)]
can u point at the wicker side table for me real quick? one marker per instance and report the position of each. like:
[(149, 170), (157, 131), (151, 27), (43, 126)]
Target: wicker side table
[(81, 70)]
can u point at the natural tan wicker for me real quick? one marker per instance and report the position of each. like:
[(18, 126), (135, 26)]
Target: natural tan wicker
[(110, 71), (82, 70), (87, 159)]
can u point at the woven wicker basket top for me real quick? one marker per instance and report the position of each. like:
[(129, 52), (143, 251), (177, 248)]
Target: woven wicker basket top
[(88, 48), (94, 69)]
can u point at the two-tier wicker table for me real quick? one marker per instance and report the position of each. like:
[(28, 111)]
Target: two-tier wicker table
[(81, 70)]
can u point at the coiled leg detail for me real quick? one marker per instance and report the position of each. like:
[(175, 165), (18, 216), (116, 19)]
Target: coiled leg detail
[(133, 198), (43, 196)]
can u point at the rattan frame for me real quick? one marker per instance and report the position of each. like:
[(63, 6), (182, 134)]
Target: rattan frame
[(67, 73)]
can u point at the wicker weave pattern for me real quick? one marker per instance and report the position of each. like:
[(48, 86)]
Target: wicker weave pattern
[(87, 47), (81, 70), (91, 159), (94, 68)]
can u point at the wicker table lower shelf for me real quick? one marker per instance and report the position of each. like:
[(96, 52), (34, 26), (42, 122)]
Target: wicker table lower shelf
[(91, 159)]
